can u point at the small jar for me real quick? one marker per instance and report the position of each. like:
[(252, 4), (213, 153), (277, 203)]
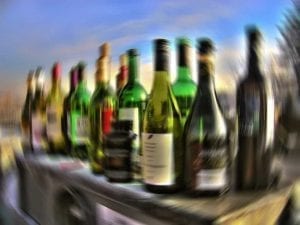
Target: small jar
[(118, 147)]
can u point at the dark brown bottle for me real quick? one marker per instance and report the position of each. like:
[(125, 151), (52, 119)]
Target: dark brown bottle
[(205, 133), (256, 126), (66, 124)]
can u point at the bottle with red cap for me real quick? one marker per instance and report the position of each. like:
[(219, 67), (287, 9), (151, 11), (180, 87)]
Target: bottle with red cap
[(54, 112)]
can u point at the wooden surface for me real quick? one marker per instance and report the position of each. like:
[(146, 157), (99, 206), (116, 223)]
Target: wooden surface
[(249, 208)]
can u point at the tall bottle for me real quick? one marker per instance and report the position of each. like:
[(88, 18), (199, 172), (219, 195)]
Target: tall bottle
[(80, 124), (256, 120), (38, 115), (102, 109), (161, 138), (26, 111), (54, 111), (132, 103), (184, 88), (66, 125), (205, 133), (122, 76)]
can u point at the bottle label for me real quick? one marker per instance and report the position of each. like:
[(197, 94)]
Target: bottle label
[(250, 116), (53, 127), (211, 179), (37, 131), (81, 128), (107, 115), (158, 158), (209, 168), (133, 115)]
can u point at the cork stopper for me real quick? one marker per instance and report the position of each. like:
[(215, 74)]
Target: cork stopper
[(104, 50), (123, 60)]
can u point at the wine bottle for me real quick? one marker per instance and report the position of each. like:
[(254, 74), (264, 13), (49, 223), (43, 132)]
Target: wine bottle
[(38, 115), (26, 111), (54, 111), (205, 133), (254, 127), (102, 109), (132, 103), (122, 76), (80, 126), (161, 138), (66, 126), (184, 88)]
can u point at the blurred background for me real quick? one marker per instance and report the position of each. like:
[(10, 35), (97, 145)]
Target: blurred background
[(37, 33)]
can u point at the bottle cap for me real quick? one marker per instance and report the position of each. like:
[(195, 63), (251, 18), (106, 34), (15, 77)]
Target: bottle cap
[(205, 46), (73, 76), (161, 45), (105, 49), (80, 70), (123, 60), (132, 52), (39, 77), (253, 34), (183, 51), (56, 71)]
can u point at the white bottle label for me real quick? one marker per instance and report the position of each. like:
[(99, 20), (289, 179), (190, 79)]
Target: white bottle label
[(37, 131), (158, 159), (82, 125), (53, 127), (211, 179)]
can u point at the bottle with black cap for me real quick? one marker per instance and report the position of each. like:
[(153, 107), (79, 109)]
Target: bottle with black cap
[(205, 133), (255, 109), (132, 104), (162, 150)]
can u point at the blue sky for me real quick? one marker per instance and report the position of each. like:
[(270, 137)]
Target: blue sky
[(39, 32)]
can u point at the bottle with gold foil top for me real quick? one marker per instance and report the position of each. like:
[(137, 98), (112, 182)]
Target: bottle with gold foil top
[(205, 133), (54, 111), (102, 109), (122, 76)]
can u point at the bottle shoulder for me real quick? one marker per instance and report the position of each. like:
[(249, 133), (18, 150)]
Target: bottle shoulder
[(102, 93), (182, 88), (135, 92)]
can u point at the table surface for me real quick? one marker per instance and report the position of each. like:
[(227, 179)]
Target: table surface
[(233, 208)]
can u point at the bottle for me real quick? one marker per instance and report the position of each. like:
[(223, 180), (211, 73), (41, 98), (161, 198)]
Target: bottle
[(102, 110), (118, 147), (80, 126), (132, 104), (54, 111), (122, 76), (38, 115), (66, 126), (184, 88), (205, 133), (26, 111), (255, 132), (162, 150)]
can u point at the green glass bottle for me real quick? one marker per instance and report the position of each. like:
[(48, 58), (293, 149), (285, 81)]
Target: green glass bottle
[(80, 126), (184, 88), (66, 126), (102, 110), (54, 111), (132, 103), (162, 150), (205, 133)]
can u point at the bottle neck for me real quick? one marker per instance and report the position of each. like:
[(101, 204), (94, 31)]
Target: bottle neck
[(102, 73), (161, 78), (253, 62), (183, 71), (133, 70), (55, 85), (206, 71)]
